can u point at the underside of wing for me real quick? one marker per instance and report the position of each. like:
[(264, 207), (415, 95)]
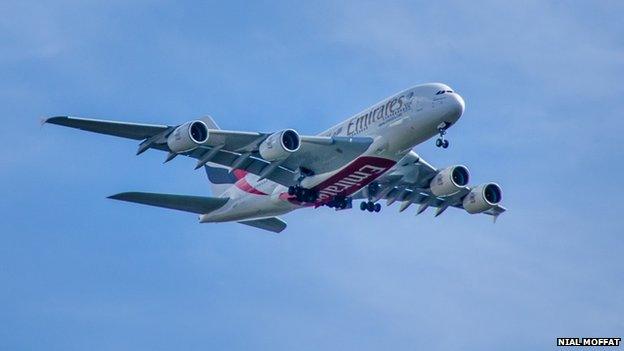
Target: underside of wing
[(414, 181), (325, 154), (135, 131), (202, 140), (187, 203)]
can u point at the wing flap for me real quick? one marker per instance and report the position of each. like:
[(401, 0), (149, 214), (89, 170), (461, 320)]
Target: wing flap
[(325, 154), (187, 203), (496, 210), (253, 164)]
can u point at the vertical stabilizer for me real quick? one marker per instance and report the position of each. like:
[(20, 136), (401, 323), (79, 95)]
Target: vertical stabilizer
[(220, 178), (218, 175), (210, 123)]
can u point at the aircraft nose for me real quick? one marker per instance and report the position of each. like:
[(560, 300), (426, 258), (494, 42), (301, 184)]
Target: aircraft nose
[(458, 105)]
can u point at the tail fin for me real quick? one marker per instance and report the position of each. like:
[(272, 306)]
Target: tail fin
[(220, 178), (210, 122)]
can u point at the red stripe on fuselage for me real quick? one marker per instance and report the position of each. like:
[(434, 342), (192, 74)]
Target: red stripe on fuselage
[(244, 185), (354, 177), (239, 173), (348, 181)]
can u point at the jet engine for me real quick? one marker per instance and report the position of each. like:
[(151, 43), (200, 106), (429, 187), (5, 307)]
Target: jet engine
[(188, 136), (482, 198), (449, 180), (278, 146)]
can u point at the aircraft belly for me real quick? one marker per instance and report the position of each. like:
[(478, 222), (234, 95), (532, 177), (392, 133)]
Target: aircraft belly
[(348, 179)]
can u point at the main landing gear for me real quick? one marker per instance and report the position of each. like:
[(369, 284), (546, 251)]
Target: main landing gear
[(339, 203), (303, 194), (441, 142), (370, 206)]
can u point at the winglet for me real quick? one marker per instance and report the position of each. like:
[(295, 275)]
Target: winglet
[(53, 120)]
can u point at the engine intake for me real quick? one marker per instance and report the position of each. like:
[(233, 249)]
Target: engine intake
[(188, 136), (278, 146), (482, 198), (449, 180)]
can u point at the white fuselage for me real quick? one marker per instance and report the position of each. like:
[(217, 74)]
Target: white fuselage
[(396, 124)]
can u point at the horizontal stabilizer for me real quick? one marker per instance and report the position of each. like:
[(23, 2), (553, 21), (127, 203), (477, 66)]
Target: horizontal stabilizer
[(195, 204), (272, 224)]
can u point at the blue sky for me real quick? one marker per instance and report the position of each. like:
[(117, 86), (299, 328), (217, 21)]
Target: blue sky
[(542, 83)]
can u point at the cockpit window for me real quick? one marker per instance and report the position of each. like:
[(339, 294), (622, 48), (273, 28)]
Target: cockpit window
[(440, 92)]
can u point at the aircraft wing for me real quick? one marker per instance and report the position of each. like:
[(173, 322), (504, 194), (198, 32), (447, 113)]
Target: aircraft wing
[(135, 131), (408, 182), (235, 149)]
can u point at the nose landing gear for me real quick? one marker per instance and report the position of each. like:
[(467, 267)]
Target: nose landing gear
[(441, 142)]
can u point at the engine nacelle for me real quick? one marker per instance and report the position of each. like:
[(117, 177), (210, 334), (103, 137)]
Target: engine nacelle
[(278, 146), (449, 180), (188, 136), (482, 198)]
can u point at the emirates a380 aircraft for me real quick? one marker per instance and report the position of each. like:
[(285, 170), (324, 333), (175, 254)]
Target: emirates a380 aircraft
[(258, 176)]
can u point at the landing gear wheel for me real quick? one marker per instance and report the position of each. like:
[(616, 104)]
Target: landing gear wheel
[(299, 193), (441, 142), (370, 206), (302, 194), (363, 206), (377, 207)]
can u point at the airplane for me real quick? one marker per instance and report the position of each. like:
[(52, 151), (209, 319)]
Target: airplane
[(258, 176)]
